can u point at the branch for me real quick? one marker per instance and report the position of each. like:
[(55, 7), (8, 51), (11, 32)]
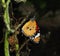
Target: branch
[(20, 24), (23, 45)]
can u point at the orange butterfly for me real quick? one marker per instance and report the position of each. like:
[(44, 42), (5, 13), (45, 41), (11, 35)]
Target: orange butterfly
[(31, 30)]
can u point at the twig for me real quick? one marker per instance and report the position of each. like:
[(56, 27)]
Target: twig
[(23, 45), (20, 24)]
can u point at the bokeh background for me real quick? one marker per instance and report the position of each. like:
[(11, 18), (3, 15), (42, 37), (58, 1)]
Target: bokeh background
[(48, 18)]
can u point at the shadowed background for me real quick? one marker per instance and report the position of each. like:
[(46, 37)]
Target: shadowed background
[(48, 18)]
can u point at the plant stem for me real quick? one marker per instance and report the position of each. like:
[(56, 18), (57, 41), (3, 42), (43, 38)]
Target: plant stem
[(6, 44), (7, 22), (17, 45), (6, 13)]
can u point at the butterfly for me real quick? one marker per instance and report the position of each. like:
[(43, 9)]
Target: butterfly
[(30, 29)]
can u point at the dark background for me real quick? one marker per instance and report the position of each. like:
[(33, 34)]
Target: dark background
[(48, 21)]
